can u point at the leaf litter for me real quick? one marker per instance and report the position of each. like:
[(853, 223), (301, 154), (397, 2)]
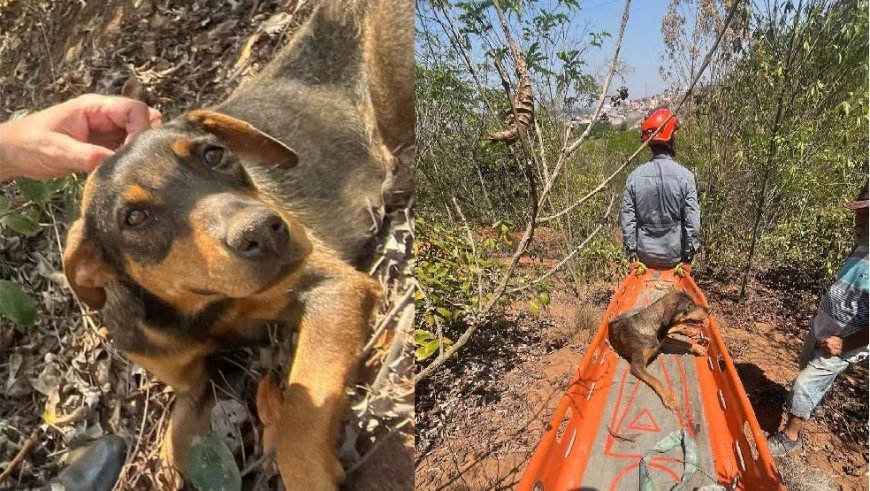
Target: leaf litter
[(63, 380)]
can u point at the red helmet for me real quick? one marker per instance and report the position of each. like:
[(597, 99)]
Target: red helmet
[(655, 119)]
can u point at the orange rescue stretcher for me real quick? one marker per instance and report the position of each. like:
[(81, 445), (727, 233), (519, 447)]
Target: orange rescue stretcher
[(607, 420)]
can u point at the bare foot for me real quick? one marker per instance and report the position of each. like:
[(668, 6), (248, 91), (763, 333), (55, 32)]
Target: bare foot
[(699, 350)]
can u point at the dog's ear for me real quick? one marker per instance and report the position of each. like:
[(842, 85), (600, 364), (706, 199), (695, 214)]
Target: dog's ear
[(243, 138), (668, 314), (132, 88), (676, 306), (86, 270)]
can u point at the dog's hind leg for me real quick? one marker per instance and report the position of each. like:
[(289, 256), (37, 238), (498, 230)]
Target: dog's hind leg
[(638, 369)]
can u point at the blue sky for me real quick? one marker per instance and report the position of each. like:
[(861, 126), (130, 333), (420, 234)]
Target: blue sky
[(642, 46)]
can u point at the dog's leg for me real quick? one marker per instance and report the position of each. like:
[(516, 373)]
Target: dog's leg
[(638, 369), (694, 348), (332, 331), (191, 413), (685, 330)]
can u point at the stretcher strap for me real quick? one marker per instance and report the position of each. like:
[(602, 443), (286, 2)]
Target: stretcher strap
[(668, 443)]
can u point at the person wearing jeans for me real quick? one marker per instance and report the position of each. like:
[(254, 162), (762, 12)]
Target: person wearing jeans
[(837, 338)]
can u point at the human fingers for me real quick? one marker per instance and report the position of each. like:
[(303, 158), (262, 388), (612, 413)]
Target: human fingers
[(76, 156), (155, 117), (107, 115)]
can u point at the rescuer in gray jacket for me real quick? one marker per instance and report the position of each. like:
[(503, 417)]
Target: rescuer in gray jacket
[(660, 213)]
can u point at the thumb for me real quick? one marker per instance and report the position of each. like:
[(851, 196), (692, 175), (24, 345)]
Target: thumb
[(79, 156)]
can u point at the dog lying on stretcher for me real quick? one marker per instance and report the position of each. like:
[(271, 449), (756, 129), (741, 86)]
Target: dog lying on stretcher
[(639, 336), (201, 232)]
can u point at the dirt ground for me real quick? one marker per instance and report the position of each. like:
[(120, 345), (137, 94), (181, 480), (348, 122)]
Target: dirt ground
[(64, 383), (480, 420)]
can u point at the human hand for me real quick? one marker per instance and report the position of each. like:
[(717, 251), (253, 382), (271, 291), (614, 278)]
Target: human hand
[(683, 269), (832, 346), (637, 267), (76, 135)]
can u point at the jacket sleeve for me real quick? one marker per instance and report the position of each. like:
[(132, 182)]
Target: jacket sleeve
[(628, 220), (691, 220)]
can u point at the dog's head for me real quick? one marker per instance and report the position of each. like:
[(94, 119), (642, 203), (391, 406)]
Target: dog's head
[(175, 212), (680, 309)]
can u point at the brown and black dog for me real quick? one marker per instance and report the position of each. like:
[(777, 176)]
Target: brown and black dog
[(638, 336), (197, 234)]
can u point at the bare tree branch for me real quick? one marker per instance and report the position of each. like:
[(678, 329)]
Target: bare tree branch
[(686, 95), (569, 256), (473, 253), (569, 149), (522, 109), (478, 318)]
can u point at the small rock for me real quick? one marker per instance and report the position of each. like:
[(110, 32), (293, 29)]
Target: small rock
[(98, 467)]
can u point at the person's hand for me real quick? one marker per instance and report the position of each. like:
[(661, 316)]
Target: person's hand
[(636, 267), (71, 137), (832, 346), (683, 269)]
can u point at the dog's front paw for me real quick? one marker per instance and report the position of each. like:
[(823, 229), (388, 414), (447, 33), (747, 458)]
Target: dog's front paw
[(694, 332), (670, 402), (323, 474)]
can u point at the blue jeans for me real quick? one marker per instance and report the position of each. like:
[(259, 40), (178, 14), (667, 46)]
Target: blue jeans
[(817, 375)]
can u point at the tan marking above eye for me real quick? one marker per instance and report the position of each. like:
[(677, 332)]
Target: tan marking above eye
[(88, 192), (182, 147), (137, 194)]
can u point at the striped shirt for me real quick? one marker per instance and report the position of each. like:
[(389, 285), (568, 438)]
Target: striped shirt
[(843, 311)]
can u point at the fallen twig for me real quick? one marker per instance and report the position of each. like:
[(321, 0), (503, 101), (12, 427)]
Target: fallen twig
[(22, 454), (406, 297), (620, 437)]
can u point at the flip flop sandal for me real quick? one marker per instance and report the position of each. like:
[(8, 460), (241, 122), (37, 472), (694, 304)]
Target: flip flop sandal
[(781, 445)]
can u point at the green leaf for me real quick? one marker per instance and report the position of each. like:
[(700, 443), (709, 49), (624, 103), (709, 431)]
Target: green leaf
[(545, 298), (422, 353), (422, 336), (37, 191), (427, 350), (212, 466), (534, 307), (16, 305), (21, 223), (4, 205), (71, 206)]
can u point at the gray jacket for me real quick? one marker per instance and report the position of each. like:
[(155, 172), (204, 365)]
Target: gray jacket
[(660, 213)]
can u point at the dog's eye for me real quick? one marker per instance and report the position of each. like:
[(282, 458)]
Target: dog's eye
[(212, 156), (136, 217)]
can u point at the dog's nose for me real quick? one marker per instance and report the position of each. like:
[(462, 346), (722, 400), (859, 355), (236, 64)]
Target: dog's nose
[(258, 234)]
